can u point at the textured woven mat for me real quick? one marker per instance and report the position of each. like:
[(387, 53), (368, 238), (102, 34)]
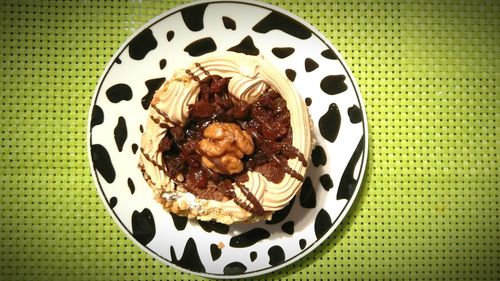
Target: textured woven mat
[(429, 208)]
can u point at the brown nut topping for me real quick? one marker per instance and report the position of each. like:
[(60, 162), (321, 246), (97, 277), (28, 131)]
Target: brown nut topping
[(223, 146)]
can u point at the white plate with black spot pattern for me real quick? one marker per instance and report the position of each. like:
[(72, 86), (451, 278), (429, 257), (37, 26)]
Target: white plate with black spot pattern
[(149, 57)]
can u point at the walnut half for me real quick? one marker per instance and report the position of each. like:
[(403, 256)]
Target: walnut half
[(223, 146)]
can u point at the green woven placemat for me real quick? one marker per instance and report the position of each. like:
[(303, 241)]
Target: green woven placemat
[(429, 207)]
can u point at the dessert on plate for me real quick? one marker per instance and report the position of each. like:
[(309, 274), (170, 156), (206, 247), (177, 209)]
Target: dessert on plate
[(227, 139)]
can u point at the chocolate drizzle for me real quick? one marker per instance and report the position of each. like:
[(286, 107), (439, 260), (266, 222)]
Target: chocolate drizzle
[(202, 69), (195, 78), (159, 122), (151, 160), (160, 112), (255, 208), (287, 168)]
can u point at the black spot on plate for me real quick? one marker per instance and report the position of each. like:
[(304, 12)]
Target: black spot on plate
[(229, 23), (283, 52), (142, 44), (284, 23), (348, 183), (291, 74), (193, 16), (288, 227), (307, 194), (120, 133), (163, 63), (308, 101), (249, 238), (246, 46), (210, 226), (118, 60), (318, 156), (302, 243), (180, 222), (215, 252), (119, 92), (152, 85), (141, 128), (235, 268), (201, 46), (170, 35), (355, 114), (333, 84), (143, 226), (97, 116), (131, 185), (329, 54), (280, 215), (326, 181), (329, 123), (135, 147), (310, 65), (102, 162), (276, 255), (112, 202), (190, 258), (253, 256), (322, 223)]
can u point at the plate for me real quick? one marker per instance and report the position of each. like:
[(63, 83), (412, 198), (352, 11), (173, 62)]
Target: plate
[(174, 39)]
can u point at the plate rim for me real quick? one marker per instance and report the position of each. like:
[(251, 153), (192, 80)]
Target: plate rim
[(343, 213)]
